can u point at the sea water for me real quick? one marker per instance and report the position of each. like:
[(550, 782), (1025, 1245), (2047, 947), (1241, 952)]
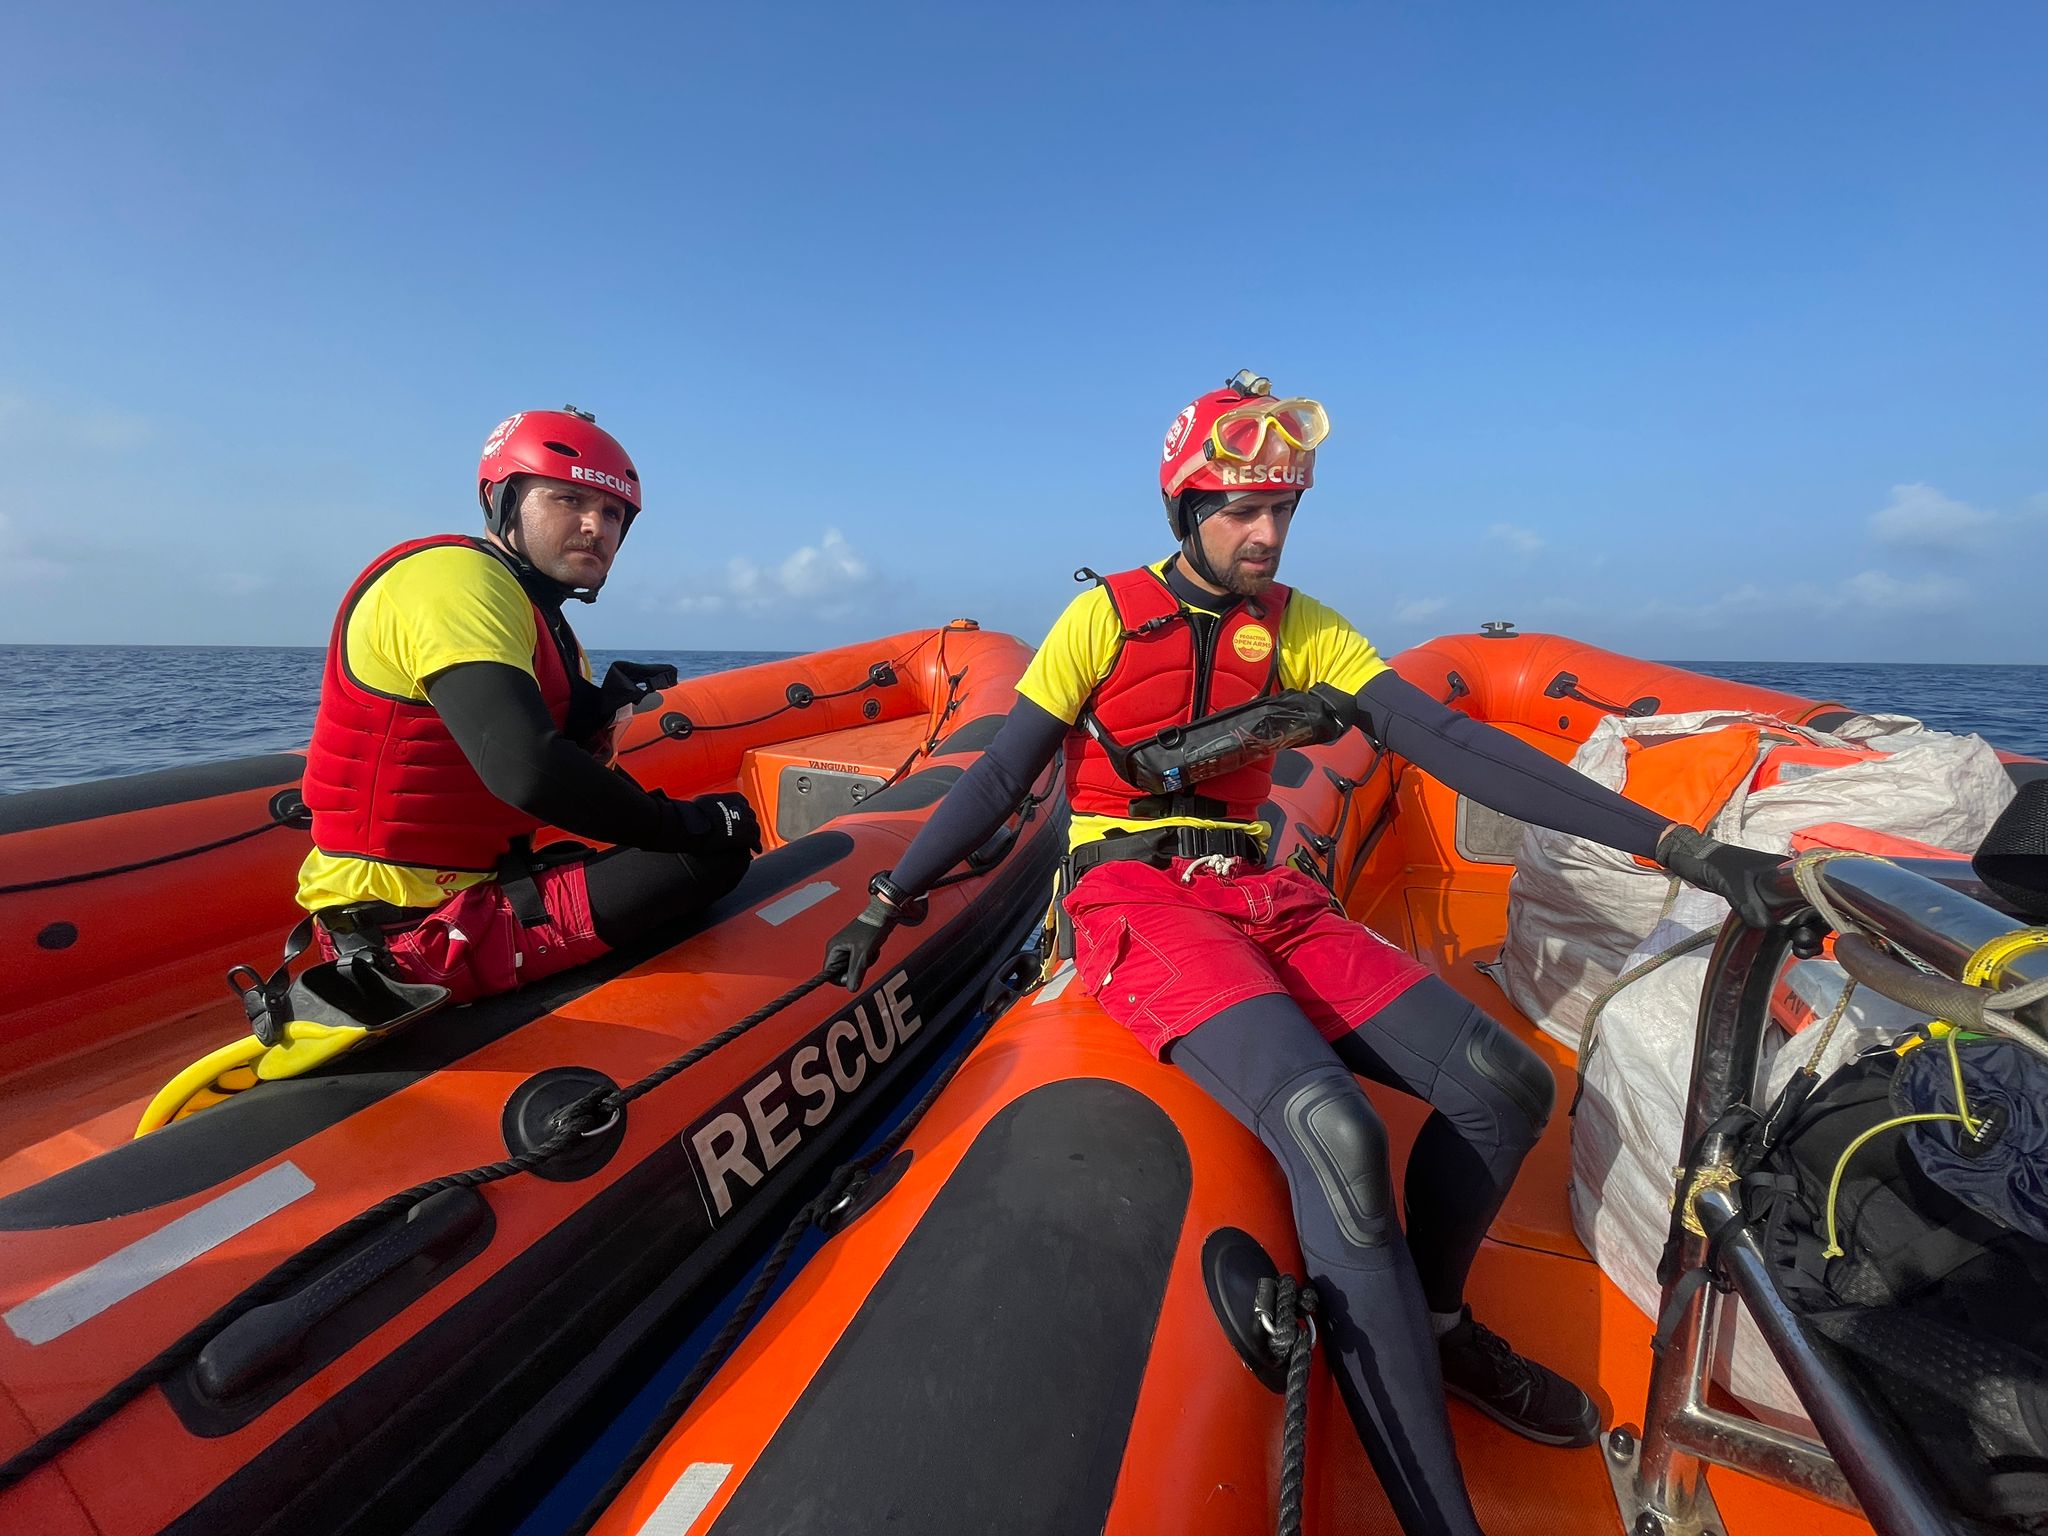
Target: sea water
[(69, 713)]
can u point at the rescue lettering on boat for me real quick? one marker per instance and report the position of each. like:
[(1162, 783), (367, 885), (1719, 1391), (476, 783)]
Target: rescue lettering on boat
[(751, 1132)]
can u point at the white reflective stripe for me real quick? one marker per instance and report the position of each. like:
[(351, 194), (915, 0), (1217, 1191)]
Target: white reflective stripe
[(776, 913), (682, 1504), (1053, 988), (85, 1295)]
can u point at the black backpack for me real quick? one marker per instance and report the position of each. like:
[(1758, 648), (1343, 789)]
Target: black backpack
[(1941, 1308)]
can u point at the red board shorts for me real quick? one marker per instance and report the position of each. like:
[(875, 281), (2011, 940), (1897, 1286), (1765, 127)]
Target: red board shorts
[(1164, 950), (474, 944)]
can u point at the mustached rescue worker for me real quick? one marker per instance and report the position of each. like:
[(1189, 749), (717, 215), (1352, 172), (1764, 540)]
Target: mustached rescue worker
[(457, 717), (1242, 975)]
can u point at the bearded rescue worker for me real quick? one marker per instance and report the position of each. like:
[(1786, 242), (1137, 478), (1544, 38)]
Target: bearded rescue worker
[(1242, 975), (457, 717)]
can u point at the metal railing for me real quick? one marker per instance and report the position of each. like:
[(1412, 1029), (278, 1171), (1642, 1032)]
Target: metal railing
[(1862, 1460)]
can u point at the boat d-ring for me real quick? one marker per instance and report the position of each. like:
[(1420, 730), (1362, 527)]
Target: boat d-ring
[(862, 1193), (1271, 1324), (609, 1121), (530, 1121)]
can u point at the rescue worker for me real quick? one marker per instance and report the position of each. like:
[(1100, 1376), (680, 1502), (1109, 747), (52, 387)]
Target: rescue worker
[(458, 716), (1244, 976)]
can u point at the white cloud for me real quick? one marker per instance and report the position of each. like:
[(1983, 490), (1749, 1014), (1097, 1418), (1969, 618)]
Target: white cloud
[(1413, 610), (1921, 517), (1925, 594), (20, 565), (1521, 540), (827, 578), (1867, 594)]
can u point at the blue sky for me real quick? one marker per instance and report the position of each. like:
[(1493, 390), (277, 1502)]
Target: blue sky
[(1695, 331)]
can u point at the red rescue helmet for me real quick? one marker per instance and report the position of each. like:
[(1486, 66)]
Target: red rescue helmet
[(1237, 440), (561, 445)]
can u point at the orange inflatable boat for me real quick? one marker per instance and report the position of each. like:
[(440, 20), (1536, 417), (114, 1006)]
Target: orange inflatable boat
[(457, 1340), (1047, 1321)]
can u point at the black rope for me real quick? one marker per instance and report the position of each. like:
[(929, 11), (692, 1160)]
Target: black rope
[(1287, 1310), (952, 705), (870, 681), (571, 1122), (606, 1103), (842, 1189), (55, 881), (739, 725)]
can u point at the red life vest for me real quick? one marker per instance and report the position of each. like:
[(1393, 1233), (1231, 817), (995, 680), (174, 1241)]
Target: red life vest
[(1164, 677), (385, 780)]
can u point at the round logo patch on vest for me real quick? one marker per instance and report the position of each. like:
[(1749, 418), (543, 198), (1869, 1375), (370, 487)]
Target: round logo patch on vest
[(1252, 643)]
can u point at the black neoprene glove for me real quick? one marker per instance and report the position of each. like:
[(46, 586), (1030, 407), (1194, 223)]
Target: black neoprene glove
[(853, 948), (1340, 708), (1742, 877), (714, 824)]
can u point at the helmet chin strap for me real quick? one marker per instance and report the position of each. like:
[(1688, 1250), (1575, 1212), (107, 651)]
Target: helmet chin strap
[(1197, 557)]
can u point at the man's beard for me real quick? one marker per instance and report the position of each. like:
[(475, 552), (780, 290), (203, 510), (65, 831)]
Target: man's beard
[(1249, 583)]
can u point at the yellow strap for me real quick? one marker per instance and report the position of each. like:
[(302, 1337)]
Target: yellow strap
[(1992, 957)]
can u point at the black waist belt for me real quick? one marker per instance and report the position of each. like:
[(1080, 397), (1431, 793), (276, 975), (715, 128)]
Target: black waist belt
[(372, 918), (1161, 846)]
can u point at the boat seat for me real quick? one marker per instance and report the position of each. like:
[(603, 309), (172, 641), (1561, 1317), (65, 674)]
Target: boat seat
[(799, 785)]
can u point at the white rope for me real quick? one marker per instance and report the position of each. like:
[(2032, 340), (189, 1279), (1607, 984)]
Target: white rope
[(1221, 865)]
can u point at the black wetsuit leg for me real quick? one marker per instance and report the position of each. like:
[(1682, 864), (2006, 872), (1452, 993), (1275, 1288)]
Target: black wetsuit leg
[(1492, 1096), (1264, 1062), (632, 889)]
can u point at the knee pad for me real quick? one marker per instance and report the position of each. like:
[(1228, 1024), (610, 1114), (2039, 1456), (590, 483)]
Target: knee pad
[(1330, 1127), (1518, 1075)]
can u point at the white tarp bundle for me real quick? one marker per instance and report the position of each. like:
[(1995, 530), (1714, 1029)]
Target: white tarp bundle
[(1625, 1133), (1579, 915), (1576, 909)]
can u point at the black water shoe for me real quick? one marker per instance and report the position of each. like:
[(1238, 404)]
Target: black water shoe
[(1531, 1399)]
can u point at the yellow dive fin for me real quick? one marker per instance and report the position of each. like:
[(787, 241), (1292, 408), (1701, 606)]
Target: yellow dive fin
[(217, 1077)]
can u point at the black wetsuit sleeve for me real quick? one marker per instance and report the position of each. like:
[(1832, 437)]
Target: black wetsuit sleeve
[(982, 797), (498, 718), (1495, 769)]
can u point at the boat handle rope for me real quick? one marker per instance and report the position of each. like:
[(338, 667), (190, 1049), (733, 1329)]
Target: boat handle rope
[(824, 1211), (573, 1122), (1286, 1309), (286, 810), (676, 726)]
